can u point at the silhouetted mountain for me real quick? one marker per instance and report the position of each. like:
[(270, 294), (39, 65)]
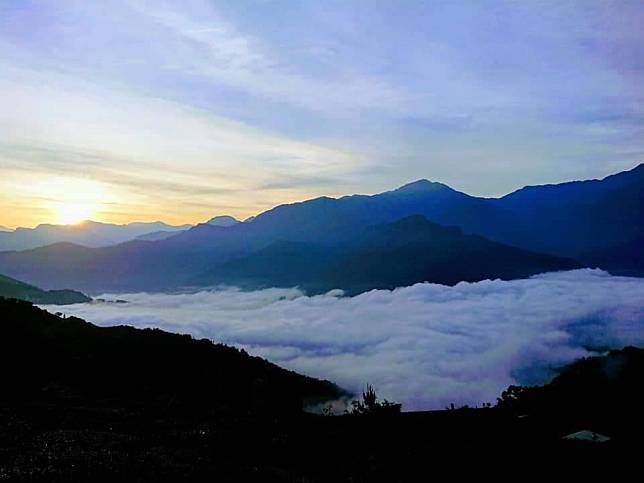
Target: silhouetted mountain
[(223, 220), (135, 265), (391, 255), (595, 392), (328, 219), (565, 220), (11, 288), (62, 359), (82, 403), (580, 216), (87, 233), (175, 261)]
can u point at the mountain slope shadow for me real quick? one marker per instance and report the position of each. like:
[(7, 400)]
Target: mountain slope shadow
[(68, 359)]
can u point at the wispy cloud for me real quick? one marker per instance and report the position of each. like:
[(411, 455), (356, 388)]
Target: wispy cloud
[(209, 45), (136, 146), (426, 345), (276, 99)]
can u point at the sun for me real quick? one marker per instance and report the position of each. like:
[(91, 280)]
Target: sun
[(74, 213)]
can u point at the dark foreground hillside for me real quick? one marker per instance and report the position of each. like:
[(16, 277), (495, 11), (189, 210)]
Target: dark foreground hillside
[(49, 358), (81, 403)]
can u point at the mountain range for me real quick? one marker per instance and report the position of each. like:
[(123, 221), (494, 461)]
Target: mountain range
[(578, 220), (87, 233), (579, 217), (383, 256)]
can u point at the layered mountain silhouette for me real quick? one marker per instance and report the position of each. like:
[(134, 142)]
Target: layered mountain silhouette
[(597, 389), (11, 288), (384, 256), (87, 233), (567, 220), (578, 217), (65, 359)]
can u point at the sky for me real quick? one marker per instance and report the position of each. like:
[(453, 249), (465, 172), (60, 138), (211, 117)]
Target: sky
[(426, 346), (133, 110)]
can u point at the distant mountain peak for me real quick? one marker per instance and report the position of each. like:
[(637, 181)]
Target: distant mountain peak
[(421, 185), (223, 220)]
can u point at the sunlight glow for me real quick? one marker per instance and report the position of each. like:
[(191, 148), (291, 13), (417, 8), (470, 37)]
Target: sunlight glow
[(74, 213), (66, 200)]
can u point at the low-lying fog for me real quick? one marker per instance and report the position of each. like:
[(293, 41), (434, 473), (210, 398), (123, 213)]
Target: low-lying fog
[(425, 346)]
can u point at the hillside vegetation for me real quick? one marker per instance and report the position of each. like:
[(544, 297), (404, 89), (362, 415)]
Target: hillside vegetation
[(67, 358)]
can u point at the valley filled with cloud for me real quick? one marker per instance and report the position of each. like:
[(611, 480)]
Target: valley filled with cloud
[(426, 346)]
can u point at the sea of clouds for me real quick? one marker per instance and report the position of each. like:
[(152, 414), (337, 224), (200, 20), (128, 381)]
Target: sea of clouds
[(426, 345)]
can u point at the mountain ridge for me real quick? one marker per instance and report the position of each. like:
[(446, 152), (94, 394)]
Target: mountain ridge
[(150, 367), (639, 169), (92, 234), (592, 215), (12, 288), (408, 251)]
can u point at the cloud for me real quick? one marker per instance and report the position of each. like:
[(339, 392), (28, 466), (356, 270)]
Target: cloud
[(426, 345), (149, 153), (206, 44)]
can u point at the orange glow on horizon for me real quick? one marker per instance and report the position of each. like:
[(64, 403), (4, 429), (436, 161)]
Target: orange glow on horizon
[(74, 213)]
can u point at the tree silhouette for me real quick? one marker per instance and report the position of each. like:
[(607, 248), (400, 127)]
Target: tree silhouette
[(371, 405)]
